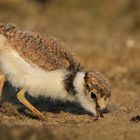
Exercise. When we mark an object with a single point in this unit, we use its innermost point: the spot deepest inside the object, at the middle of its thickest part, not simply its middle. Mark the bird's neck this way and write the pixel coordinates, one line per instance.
(79, 82)
(74, 82)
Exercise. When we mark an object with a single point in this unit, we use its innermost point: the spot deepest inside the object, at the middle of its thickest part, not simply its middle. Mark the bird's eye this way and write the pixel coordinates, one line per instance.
(93, 96)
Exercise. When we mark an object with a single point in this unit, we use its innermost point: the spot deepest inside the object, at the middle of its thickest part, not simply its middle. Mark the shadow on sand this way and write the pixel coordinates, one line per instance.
(43, 104)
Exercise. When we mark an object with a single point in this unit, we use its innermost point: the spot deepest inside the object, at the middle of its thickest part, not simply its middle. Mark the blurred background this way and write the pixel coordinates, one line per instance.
(104, 35)
(96, 30)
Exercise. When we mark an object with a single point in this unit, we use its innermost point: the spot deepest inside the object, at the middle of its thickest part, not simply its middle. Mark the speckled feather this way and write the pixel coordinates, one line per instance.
(101, 83)
(46, 52)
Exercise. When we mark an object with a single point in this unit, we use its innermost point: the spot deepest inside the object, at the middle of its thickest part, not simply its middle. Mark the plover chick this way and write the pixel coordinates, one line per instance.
(42, 66)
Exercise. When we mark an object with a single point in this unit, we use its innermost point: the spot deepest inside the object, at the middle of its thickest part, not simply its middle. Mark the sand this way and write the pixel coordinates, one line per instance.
(104, 38)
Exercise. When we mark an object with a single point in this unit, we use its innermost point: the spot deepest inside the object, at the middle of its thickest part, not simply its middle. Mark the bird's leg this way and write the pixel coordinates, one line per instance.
(21, 97)
(2, 80)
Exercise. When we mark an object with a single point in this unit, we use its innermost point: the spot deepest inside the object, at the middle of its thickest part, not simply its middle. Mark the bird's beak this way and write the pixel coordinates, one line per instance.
(99, 111)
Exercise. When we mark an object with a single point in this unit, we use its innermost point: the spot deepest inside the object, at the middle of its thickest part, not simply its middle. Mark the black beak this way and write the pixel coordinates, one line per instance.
(99, 111)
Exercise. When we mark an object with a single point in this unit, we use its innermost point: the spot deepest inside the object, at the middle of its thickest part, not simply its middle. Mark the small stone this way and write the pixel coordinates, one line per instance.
(136, 118)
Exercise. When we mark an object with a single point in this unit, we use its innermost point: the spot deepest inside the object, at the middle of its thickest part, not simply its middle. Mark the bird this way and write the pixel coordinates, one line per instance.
(42, 65)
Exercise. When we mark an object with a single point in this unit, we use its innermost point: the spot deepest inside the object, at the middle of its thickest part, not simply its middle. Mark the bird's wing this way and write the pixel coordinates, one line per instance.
(46, 52)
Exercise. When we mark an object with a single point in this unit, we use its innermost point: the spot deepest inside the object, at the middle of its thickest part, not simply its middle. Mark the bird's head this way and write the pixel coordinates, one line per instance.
(94, 92)
(97, 90)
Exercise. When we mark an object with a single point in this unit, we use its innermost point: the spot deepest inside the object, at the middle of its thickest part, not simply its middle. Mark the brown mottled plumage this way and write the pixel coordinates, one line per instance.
(42, 66)
(99, 82)
(47, 52)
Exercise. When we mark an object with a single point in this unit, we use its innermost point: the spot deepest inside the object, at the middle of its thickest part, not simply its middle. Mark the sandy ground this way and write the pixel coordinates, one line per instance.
(105, 41)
